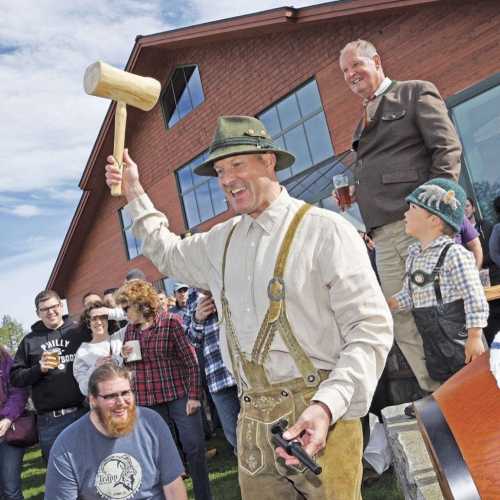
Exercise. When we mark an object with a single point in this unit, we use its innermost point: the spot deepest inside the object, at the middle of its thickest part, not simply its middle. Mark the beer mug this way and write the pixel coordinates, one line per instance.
(341, 185)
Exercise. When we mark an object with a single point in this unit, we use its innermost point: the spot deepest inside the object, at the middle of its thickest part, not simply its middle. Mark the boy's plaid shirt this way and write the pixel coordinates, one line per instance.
(206, 336)
(459, 279)
(169, 368)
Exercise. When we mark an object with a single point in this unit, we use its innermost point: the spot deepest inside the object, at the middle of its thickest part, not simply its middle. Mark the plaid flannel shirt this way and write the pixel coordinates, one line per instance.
(459, 279)
(206, 336)
(169, 368)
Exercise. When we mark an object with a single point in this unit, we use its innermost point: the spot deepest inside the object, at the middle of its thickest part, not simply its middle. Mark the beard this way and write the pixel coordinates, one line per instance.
(117, 427)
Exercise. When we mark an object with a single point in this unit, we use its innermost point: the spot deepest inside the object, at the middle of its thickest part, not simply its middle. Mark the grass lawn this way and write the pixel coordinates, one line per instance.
(223, 477)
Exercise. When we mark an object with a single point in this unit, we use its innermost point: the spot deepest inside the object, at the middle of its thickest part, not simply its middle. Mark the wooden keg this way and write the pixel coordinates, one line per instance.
(460, 424)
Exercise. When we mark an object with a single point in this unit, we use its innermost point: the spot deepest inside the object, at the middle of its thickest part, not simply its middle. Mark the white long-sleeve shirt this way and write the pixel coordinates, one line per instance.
(87, 355)
(334, 303)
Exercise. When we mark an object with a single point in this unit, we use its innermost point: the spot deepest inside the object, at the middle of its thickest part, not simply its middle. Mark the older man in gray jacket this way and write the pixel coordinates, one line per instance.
(404, 138)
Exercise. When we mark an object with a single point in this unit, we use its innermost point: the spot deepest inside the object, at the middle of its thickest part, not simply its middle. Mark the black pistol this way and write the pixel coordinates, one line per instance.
(293, 447)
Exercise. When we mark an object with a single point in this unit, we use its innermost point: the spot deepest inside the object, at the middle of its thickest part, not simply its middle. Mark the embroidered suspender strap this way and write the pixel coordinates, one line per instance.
(436, 272)
(231, 338)
(255, 375)
(276, 319)
(276, 291)
(421, 278)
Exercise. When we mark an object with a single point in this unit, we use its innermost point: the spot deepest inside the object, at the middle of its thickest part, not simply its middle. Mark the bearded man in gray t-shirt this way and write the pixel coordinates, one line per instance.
(117, 450)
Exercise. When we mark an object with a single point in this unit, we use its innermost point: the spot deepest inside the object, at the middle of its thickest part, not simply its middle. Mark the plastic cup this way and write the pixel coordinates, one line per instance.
(135, 355)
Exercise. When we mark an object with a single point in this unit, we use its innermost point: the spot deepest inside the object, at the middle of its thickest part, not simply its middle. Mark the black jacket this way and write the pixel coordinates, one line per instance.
(58, 388)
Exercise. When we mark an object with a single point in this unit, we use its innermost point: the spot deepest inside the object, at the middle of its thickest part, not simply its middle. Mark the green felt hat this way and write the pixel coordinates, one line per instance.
(239, 135)
(443, 198)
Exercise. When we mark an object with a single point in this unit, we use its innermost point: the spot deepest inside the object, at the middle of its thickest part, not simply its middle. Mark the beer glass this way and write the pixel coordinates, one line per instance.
(341, 185)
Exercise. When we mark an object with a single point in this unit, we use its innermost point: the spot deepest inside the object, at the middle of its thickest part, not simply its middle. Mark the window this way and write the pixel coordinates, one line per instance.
(201, 196)
(181, 94)
(315, 186)
(476, 114)
(297, 123)
(132, 244)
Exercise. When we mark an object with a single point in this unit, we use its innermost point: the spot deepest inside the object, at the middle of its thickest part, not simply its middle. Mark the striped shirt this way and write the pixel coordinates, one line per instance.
(459, 280)
(206, 336)
(169, 368)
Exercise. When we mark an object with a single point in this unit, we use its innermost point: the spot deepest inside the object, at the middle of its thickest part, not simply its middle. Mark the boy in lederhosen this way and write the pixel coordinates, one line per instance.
(442, 286)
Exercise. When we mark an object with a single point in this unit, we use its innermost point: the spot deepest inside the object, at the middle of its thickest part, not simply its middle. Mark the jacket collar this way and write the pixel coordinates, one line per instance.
(385, 88)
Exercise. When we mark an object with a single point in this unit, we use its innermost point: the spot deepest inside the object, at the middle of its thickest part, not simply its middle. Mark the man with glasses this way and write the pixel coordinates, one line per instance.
(118, 450)
(44, 362)
(166, 377)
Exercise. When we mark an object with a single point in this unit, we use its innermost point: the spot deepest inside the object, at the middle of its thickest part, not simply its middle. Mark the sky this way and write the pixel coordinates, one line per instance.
(48, 124)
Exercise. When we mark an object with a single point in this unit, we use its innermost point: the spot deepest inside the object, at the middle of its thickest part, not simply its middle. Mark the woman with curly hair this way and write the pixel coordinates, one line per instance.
(103, 348)
(167, 378)
(12, 403)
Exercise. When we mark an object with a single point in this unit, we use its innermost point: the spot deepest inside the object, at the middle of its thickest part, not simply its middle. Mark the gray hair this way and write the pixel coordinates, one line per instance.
(364, 47)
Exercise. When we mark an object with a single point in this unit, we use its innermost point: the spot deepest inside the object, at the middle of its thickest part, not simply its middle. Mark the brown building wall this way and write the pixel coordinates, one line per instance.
(455, 44)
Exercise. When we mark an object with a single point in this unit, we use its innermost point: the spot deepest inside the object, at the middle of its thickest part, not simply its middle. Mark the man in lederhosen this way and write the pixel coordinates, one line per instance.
(305, 326)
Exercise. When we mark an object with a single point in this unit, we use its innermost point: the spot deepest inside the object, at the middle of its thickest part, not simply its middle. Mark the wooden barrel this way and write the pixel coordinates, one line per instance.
(460, 424)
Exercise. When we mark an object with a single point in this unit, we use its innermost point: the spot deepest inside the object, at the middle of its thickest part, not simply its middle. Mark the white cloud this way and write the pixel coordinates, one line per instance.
(49, 124)
(206, 10)
(26, 211)
(23, 276)
(66, 195)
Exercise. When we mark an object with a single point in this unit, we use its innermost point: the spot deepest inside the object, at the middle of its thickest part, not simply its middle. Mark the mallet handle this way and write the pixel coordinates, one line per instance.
(120, 123)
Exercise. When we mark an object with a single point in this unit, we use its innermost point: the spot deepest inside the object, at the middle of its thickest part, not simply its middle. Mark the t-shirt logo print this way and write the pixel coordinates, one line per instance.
(118, 476)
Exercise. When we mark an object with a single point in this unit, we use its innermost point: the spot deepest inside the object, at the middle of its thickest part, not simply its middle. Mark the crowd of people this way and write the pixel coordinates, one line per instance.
(277, 314)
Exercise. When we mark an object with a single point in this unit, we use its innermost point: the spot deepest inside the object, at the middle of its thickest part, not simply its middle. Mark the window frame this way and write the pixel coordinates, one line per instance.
(137, 242)
(299, 123)
(168, 85)
(455, 100)
(193, 189)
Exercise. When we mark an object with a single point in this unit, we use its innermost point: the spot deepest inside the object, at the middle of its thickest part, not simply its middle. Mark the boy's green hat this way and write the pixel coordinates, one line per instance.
(442, 197)
(238, 135)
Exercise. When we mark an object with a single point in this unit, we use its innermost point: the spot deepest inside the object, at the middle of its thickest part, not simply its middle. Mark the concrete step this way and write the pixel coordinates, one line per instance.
(411, 462)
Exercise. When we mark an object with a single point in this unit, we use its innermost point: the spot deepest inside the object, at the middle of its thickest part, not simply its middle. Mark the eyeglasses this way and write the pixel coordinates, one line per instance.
(115, 396)
(49, 308)
(94, 319)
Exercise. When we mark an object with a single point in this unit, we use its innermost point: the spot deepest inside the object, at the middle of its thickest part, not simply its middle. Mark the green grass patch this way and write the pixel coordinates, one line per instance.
(223, 473)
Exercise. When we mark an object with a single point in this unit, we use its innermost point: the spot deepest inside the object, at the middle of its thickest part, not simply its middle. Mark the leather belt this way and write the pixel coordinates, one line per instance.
(61, 412)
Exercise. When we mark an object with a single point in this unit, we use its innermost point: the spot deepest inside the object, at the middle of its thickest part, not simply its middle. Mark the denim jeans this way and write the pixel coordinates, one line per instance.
(228, 406)
(11, 459)
(49, 427)
(190, 428)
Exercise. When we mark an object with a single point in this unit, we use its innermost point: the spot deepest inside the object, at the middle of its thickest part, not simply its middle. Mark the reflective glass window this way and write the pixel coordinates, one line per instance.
(181, 94)
(297, 123)
(477, 120)
(132, 244)
(202, 198)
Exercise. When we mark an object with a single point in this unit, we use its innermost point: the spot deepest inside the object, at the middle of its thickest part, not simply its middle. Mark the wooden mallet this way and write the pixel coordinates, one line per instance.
(103, 80)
